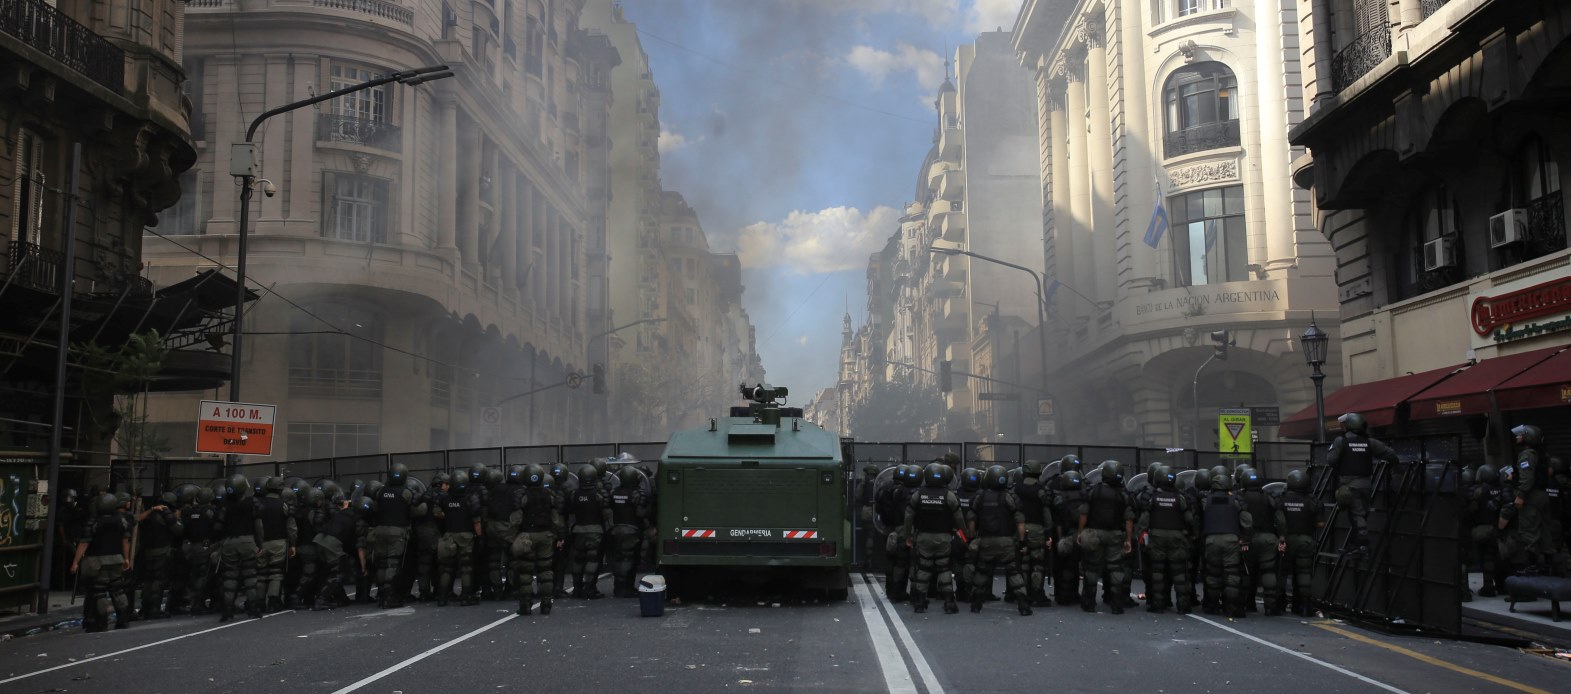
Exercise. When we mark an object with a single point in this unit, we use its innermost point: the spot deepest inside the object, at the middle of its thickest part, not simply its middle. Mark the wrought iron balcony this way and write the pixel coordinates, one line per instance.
(1546, 225)
(1359, 57)
(331, 127)
(1430, 7)
(33, 266)
(375, 8)
(58, 36)
(1200, 138)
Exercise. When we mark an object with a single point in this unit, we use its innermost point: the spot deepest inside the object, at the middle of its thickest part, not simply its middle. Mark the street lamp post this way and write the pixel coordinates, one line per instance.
(243, 166)
(1315, 343)
(1041, 302)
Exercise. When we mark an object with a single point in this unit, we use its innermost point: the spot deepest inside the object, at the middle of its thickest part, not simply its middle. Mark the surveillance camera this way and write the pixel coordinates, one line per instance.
(268, 188)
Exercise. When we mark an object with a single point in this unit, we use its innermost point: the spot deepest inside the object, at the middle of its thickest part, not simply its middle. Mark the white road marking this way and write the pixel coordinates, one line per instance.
(896, 677)
(431, 652)
(136, 648)
(1296, 654)
(929, 681)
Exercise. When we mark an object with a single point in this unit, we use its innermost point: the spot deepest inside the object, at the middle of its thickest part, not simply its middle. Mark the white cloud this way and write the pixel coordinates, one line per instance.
(937, 13)
(927, 66)
(671, 141)
(990, 15)
(829, 240)
(801, 340)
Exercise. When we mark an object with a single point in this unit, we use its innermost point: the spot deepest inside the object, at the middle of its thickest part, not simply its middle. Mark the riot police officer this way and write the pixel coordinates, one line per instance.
(1225, 525)
(1527, 540)
(501, 529)
(628, 508)
(1036, 504)
(1167, 523)
(458, 512)
(339, 545)
(237, 557)
(961, 553)
(390, 534)
(540, 534)
(1303, 518)
(1352, 457)
(278, 535)
(1265, 543)
(103, 555)
(428, 535)
(1106, 534)
(932, 516)
(197, 514)
(590, 521)
(1068, 505)
(159, 534)
(891, 505)
(308, 506)
(1000, 528)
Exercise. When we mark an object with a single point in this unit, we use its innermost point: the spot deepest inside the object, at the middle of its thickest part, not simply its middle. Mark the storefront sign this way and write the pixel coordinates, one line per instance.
(1194, 304)
(1448, 407)
(1565, 393)
(1493, 312)
(1508, 333)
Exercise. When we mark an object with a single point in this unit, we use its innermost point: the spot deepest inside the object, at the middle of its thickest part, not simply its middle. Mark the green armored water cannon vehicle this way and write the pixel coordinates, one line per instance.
(761, 490)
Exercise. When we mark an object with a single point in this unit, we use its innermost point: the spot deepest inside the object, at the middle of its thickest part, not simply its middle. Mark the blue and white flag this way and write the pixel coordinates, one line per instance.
(1158, 225)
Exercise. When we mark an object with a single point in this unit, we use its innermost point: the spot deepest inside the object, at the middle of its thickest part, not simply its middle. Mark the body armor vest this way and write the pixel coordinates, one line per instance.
(1167, 512)
(933, 514)
(1221, 516)
(587, 506)
(107, 532)
(341, 525)
(238, 518)
(275, 519)
(624, 507)
(499, 504)
(1106, 510)
(537, 510)
(199, 523)
(457, 517)
(1356, 459)
(1030, 495)
(392, 507)
(1299, 511)
(992, 514)
(1261, 510)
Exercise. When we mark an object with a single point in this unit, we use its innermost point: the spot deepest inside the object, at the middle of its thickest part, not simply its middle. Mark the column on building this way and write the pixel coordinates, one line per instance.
(469, 170)
(1139, 183)
(1080, 222)
(1100, 145)
(301, 186)
(224, 72)
(507, 197)
(447, 200)
(275, 90)
(1061, 189)
(1274, 151)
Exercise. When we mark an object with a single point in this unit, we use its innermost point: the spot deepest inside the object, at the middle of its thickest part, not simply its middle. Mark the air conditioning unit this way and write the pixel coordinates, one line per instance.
(1439, 254)
(1507, 228)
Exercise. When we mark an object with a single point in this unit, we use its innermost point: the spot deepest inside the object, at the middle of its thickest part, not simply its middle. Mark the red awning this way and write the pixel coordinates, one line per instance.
(1546, 384)
(1376, 400)
(1468, 392)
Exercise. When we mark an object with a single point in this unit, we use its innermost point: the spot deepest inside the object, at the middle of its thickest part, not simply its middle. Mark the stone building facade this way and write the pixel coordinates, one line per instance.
(1187, 103)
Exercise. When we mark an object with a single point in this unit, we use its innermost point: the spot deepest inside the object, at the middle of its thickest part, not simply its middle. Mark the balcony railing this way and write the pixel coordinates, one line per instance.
(331, 127)
(1200, 138)
(60, 37)
(1546, 225)
(1430, 7)
(334, 383)
(33, 266)
(375, 8)
(1359, 57)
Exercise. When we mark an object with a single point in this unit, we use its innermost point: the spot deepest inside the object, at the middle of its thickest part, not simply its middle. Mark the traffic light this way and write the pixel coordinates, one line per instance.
(598, 384)
(1222, 340)
(946, 376)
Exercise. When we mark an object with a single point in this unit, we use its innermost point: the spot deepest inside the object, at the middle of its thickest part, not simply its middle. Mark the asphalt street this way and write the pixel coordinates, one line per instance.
(748, 639)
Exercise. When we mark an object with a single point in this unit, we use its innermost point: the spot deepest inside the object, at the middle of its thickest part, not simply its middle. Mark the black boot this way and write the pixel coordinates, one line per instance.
(1088, 603)
(1023, 605)
(918, 601)
(976, 606)
(950, 606)
(545, 606)
(523, 608)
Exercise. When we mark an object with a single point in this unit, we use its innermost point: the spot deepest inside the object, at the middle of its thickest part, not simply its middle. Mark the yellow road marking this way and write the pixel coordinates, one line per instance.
(1431, 659)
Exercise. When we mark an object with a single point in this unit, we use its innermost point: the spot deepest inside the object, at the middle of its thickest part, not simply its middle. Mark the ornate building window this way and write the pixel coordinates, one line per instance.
(330, 364)
(1535, 195)
(357, 208)
(1432, 253)
(1200, 109)
(1210, 241)
(28, 185)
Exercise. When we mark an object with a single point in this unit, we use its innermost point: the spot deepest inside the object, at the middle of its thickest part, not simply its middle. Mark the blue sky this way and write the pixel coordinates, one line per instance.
(795, 129)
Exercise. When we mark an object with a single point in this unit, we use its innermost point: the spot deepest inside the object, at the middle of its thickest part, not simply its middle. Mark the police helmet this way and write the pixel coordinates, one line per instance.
(937, 475)
(1530, 435)
(1298, 481)
(1151, 469)
(534, 476)
(1202, 480)
(627, 477)
(1166, 478)
(204, 495)
(1486, 474)
(273, 485)
(515, 474)
(1219, 470)
(588, 474)
(398, 475)
(910, 475)
(366, 505)
(1032, 468)
(372, 487)
(1253, 480)
(459, 484)
(1466, 476)
(997, 477)
(971, 479)
(288, 496)
(1354, 422)
(1112, 472)
(1070, 462)
(477, 473)
(1069, 481)
(314, 496)
(441, 479)
(1222, 483)
(559, 472)
(106, 504)
(238, 487)
(185, 494)
(331, 490)
(296, 483)
(167, 499)
(600, 465)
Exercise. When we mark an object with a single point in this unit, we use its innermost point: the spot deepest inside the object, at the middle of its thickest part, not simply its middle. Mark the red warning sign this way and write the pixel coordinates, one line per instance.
(235, 427)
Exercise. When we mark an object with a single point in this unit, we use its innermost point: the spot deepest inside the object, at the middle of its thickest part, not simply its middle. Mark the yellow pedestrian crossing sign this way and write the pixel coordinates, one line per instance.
(1233, 436)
